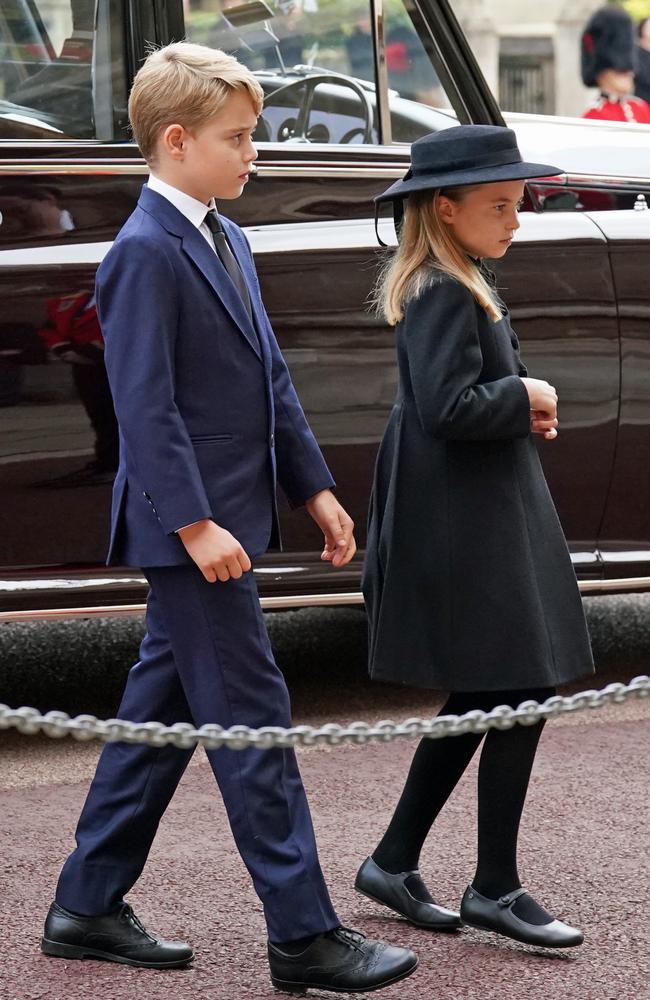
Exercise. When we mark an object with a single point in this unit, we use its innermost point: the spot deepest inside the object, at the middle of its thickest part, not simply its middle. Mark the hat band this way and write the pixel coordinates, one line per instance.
(495, 158)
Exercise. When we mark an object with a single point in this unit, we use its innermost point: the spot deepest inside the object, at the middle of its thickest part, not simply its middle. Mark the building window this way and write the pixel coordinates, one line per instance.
(526, 81)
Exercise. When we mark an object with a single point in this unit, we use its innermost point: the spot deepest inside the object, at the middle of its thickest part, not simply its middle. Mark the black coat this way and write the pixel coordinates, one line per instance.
(468, 581)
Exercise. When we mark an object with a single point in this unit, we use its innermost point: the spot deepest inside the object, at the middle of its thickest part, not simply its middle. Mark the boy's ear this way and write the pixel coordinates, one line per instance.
(173, 141)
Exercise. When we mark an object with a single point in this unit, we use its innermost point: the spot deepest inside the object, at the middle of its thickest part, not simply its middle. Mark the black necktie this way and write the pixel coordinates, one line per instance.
(227, 258)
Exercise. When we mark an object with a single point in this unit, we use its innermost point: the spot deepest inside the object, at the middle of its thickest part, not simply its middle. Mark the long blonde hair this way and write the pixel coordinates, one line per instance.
(426, 244)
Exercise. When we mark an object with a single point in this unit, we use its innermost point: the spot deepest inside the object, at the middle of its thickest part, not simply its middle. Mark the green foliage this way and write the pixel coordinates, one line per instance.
(638, 9)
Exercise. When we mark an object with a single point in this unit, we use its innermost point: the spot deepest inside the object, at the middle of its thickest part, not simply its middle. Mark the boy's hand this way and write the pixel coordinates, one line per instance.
(215, 551)
(540, 425)
(336, 525)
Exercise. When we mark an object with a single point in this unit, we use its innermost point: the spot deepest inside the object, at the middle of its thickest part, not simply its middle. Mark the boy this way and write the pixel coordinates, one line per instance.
(207, 415)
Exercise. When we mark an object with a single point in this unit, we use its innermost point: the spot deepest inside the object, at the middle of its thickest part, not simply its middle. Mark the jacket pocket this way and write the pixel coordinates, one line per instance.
(210, 438)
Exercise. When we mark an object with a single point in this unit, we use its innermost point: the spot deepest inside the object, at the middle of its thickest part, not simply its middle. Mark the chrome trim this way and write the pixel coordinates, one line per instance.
(130, 167)
(122, 610)
(46, 166)
(365, 169)
(591, 181)
(380, 170)
(353, 598)
(631, 583)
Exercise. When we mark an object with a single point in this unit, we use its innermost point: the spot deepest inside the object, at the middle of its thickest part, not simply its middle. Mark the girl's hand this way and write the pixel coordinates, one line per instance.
(542, 396)
(539, 425)
(337, 527)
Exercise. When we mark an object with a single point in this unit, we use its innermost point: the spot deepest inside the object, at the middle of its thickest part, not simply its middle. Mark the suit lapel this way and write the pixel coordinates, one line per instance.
(210, 266)
(197, 249)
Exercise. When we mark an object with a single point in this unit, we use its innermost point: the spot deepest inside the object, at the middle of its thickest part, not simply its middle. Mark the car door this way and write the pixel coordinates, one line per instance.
(625, 533)
(309, 214)
(366, 81)
(326, 147)
(558, 283)
(69, 178)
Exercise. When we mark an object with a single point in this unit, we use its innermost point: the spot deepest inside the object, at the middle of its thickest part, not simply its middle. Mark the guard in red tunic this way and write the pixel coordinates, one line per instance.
(611, 108)
(608, 52)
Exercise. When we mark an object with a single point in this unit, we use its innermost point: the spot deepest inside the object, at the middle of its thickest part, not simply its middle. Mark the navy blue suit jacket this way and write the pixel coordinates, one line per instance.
(207, 412)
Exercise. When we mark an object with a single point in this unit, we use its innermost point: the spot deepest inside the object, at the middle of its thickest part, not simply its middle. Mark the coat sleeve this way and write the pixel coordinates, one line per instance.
(445, 364)
(302, 470)
(138, 309)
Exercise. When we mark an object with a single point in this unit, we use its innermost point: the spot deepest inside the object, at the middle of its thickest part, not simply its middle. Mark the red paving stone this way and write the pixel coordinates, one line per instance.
(584, 852)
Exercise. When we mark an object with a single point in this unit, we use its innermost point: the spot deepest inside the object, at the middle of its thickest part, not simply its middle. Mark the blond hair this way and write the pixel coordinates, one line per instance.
(184, 84)
(426, 244)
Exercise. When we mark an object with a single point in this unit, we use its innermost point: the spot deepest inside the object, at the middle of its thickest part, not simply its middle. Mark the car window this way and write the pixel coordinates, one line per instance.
(416, 98)
(313, 58)
(61, 69)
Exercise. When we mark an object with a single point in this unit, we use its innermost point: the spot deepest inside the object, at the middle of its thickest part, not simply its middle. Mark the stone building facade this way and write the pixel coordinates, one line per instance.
(530, 52)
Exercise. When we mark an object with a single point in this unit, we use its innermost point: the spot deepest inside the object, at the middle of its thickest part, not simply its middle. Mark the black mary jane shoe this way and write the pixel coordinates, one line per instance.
(496, 915)
(391, 891)
(341, 961)
(116, 937)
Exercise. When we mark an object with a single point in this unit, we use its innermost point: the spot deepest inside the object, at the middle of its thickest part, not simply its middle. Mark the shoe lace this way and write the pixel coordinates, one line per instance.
(128, 916)
(348, 937)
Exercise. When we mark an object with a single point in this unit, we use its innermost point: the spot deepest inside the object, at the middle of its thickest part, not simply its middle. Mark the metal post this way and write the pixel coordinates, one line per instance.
(381, 72)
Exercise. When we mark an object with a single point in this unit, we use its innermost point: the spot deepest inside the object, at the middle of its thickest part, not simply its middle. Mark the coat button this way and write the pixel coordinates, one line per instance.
(273, 440)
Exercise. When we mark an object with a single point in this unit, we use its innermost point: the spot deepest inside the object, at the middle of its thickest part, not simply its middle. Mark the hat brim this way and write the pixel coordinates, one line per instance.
(457, 178)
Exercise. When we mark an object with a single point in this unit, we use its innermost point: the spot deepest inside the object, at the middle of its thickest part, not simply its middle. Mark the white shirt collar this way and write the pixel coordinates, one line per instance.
(193, 210)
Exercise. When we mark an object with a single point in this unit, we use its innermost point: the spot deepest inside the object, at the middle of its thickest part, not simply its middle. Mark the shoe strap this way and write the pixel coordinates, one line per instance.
(511, 897)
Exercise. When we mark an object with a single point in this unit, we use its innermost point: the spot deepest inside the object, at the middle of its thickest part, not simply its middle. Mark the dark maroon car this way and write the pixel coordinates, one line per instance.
(348, 86)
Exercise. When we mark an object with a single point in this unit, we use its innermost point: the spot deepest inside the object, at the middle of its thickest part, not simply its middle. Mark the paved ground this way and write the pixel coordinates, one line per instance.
(584, 851)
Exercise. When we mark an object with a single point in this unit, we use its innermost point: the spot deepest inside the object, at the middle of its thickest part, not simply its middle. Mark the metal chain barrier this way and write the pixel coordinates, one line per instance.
(29, 721)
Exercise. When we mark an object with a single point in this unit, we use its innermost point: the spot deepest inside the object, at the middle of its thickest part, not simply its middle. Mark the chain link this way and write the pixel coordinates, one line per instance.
(29, 721)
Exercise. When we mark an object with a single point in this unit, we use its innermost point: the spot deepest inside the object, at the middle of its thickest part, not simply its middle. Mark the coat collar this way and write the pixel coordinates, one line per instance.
(207, 261)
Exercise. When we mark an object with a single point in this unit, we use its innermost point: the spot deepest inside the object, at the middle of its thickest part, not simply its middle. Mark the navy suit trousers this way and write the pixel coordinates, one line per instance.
(206, 657)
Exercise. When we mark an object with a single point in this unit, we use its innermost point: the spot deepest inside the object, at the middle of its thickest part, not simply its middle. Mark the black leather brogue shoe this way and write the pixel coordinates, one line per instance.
(392, 891)
(496, 915)
(342, 961)
(116, 937)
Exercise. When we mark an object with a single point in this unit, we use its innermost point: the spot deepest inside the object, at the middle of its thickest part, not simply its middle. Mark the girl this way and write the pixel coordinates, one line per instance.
(468, 582)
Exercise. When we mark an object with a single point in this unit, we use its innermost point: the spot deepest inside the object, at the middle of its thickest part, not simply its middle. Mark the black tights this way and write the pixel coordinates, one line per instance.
(504, 772)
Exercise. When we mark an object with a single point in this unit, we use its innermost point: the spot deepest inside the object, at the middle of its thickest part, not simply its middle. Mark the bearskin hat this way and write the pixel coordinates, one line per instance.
(608, 42)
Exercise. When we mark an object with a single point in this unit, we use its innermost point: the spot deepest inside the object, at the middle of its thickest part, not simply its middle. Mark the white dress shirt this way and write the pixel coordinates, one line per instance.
(194, 211)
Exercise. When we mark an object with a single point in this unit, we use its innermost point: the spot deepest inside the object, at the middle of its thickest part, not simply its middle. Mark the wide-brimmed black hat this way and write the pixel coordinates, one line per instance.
(607, 42)
(464, 154)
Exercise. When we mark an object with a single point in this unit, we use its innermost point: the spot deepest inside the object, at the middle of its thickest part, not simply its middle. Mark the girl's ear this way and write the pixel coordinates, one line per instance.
(446, 208)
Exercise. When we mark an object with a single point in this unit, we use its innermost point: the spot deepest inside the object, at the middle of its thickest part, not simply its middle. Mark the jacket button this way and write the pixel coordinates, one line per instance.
(273, 440)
